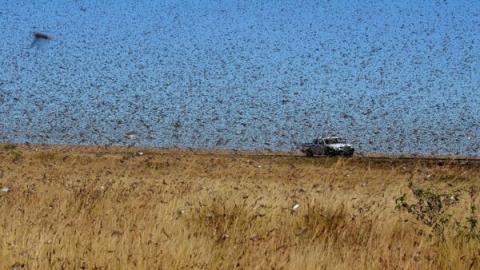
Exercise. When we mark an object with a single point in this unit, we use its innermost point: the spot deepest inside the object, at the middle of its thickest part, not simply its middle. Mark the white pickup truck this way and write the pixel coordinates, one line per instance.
(329, 146)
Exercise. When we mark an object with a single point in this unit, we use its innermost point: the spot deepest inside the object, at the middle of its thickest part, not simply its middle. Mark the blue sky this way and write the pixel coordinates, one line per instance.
(391, 76)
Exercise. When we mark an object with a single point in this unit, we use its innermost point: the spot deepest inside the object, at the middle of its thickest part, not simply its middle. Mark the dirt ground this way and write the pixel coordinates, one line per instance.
(74, 207)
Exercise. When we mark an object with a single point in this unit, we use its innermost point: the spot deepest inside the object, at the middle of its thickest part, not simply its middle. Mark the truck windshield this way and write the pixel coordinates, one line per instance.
(334, 140)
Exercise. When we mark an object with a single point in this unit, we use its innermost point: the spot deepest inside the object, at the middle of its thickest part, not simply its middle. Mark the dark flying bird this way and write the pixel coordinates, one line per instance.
(38, 37)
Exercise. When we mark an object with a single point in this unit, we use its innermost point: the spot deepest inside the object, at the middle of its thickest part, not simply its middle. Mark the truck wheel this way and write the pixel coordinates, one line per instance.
(309, 153)
(329, 153)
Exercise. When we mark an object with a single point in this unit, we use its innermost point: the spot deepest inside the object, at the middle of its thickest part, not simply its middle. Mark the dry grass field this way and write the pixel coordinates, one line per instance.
(95, 208)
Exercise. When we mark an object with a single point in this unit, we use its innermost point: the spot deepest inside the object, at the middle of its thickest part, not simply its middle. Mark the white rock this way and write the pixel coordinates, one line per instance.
(5, 189)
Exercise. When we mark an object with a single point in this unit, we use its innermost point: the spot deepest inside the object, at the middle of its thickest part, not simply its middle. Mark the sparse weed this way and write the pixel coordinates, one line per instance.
(472, 221)
(8, 147)
(429, 208)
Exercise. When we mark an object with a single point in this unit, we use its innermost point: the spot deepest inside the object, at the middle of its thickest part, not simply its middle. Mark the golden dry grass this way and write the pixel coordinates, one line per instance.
(94, 208)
